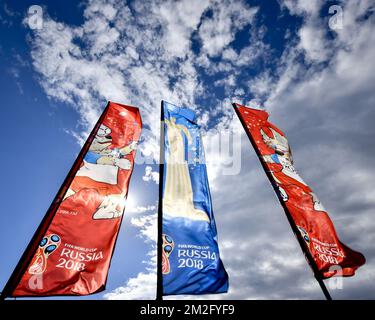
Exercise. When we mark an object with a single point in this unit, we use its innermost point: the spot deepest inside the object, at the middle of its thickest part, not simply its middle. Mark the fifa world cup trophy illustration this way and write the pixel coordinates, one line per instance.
(46, 247)
(167, 246)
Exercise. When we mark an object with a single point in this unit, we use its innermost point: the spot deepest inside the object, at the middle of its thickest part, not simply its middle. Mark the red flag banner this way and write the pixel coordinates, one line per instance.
(71, 252)
(300, 203)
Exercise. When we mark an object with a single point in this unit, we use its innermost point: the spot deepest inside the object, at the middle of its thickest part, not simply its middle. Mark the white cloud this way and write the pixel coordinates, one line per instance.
(121, 60)
(203, 120)
(348, 68)
(181, 19)
(313, 32)
(313, 43)
(140, 209)
(259, 86)
(218, 31)
(147, 225)
(151, 175)
(301, 7)
(143, 285)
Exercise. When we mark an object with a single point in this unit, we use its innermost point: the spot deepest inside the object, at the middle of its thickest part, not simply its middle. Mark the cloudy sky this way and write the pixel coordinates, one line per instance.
(310, 64)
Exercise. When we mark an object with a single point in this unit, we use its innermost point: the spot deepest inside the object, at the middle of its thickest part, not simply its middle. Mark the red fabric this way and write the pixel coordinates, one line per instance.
(80, 262)
(313, 221)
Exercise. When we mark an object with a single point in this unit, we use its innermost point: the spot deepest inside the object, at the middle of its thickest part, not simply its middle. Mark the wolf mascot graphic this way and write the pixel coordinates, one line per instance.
(101, 166)
(283, 171)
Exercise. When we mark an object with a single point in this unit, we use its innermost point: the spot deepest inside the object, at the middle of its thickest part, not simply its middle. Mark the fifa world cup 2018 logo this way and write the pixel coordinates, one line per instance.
(167, 248)
(46, 247)
(304, 235)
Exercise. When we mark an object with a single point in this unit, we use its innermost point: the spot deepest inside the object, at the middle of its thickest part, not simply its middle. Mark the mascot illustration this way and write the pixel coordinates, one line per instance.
(283, 171)
(100, 170)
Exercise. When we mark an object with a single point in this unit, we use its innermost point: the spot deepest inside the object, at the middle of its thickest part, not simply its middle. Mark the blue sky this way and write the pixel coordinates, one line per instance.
(315, 79)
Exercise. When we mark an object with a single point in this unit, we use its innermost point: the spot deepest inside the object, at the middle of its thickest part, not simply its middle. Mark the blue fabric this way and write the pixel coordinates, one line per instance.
(195, 264)
(275, 158)
(92, 157)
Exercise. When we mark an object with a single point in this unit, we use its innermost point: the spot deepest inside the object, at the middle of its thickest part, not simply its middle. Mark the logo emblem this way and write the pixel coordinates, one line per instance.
(305, 235)
(46, 247)
(167, 249)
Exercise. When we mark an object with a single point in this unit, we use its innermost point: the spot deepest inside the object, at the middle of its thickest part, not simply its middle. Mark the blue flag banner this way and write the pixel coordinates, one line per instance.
(191, 262)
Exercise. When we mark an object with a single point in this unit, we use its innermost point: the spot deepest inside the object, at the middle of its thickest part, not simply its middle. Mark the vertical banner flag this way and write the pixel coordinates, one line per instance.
(71, 251)
(300, 203)
(190, 255)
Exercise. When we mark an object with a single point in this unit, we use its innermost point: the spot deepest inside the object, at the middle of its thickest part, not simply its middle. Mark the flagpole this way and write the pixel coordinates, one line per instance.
(296, 232)
(159, 285)
(30, 250)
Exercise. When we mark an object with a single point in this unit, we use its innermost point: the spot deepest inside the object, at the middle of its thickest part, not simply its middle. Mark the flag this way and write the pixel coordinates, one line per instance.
(307, 213)
(71, 251)
(191, 262)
